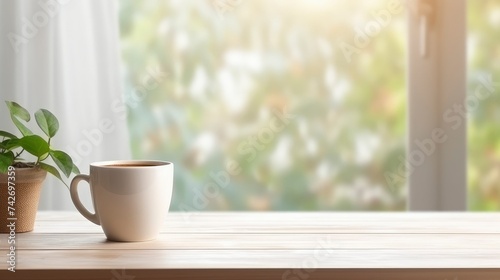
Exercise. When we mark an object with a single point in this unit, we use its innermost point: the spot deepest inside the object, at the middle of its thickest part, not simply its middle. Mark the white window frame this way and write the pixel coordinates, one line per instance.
(436, 82)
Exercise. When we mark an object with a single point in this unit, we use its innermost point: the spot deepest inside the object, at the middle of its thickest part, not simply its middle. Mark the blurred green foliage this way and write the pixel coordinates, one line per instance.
(230, 68)
(483, 134)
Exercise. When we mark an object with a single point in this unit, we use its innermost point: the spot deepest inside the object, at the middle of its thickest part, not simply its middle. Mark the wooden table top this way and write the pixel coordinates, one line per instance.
(245, 245)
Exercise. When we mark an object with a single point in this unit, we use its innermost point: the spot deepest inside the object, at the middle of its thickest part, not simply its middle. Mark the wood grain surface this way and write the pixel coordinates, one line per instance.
(291, 246)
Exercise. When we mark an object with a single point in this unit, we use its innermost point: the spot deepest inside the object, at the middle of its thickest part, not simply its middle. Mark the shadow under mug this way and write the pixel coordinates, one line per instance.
(130, 198)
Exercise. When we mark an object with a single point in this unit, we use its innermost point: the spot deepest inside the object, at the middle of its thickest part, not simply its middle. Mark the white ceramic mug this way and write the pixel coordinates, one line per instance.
(131, 198)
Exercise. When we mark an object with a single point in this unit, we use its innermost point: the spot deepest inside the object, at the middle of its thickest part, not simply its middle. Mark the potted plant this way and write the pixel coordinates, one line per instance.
(24, 166)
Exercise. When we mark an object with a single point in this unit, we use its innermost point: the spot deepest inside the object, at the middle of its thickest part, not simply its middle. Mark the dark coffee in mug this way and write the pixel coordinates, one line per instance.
(131, 165)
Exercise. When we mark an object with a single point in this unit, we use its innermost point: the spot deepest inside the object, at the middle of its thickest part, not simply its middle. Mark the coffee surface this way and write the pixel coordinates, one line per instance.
(131, 165)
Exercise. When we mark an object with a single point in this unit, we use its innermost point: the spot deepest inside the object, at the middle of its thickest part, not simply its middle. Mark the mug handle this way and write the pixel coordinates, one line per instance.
(94, 218)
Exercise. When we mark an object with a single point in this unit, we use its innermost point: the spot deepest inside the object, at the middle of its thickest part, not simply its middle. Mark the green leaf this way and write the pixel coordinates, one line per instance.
(18, 111)
(25, 131)
(11, 144)
(52, 170)
(6, 160)
(47, 122)
(44, 156)
(34, 145)
(7, 135)
(63, 161)
(75, 169)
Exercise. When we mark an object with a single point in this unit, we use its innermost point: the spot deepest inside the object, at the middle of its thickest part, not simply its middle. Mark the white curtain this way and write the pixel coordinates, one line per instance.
(63, 56)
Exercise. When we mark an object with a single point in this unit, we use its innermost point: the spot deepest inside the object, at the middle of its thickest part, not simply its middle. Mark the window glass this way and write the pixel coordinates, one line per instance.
(484, 115)
(270, 105)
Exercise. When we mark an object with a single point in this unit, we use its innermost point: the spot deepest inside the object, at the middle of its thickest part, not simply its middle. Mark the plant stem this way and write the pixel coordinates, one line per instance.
(18, 154)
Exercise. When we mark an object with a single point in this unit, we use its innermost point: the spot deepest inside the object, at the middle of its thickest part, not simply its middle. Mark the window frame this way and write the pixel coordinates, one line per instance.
(436, 83)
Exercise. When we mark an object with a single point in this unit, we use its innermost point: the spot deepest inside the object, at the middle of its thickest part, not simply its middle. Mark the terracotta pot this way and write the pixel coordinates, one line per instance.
(28, 186)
